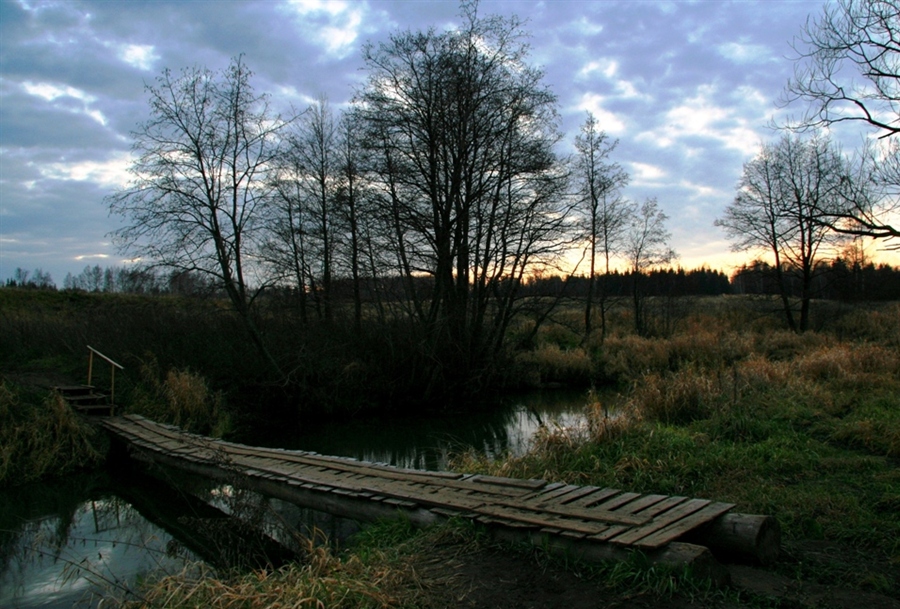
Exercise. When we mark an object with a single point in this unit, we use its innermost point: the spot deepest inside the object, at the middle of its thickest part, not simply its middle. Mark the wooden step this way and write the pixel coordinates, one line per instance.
(83, 399)
(74, 390)
(86, 400)
(103, 409)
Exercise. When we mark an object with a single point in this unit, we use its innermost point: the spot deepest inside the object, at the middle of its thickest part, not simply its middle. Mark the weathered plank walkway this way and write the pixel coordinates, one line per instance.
(586, 516)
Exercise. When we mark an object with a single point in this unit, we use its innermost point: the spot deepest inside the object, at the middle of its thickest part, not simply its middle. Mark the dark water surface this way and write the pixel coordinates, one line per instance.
(68, 542)
(426, 443)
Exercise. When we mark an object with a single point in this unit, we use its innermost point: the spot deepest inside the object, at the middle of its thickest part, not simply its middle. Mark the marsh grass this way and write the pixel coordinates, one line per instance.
(40, 436)
(551, 363)
(323, 579)
(181, 398)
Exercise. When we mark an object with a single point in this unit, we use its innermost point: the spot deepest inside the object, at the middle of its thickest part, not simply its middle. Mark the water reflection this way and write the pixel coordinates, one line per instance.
(69, 543)
(277, 530)
(427, 442)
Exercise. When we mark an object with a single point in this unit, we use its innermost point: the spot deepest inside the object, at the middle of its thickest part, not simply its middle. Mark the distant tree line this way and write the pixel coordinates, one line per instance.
(138, 280)
(119, 280)
(842, 279)
(657, 282)
(838, 279)
(37, 279)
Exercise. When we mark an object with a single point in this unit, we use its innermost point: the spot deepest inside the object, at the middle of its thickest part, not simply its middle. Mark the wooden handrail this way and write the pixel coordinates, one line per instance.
(112, 382)
(119, 366)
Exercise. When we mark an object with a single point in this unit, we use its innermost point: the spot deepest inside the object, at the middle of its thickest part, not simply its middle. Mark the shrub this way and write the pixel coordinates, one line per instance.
(630, 356)
(604, 425)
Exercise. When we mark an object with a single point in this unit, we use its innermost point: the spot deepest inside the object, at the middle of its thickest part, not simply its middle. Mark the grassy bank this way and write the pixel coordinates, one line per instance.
(806, 428)
(391, 565)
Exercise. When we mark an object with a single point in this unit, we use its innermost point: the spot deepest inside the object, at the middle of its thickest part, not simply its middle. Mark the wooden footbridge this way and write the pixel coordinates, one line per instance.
(591, 522)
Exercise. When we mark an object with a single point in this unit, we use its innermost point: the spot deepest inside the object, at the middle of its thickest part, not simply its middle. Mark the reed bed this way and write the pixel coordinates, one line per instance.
(322, 580)
(378, 572)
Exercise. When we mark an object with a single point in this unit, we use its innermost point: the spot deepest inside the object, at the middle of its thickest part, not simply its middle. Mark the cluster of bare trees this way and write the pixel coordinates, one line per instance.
(37, 279)
(801, 196)
(434, 194)
(614, 227)
(784, 199)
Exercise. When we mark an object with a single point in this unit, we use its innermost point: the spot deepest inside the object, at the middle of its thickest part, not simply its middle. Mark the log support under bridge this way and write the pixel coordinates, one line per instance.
(584, 522)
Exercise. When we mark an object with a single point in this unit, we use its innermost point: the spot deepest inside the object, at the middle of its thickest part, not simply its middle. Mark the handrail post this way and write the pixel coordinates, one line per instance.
(112, 383)
(112, 392)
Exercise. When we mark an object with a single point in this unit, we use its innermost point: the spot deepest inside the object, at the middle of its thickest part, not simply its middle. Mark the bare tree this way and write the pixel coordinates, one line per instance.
(200, 180)
(350, 197)
(461, 132)
(646, 247)
(286, 250)
(606, 212)
(314, 145)
(784, 196)
(848, 71)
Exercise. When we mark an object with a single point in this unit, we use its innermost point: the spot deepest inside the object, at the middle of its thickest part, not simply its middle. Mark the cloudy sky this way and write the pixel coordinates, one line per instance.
(689, 88)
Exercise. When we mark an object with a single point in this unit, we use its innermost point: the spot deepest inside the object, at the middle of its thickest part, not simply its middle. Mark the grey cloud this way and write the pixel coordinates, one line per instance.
(666, 51)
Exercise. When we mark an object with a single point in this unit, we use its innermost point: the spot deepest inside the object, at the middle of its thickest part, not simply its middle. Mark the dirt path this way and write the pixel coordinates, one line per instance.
(490, 578)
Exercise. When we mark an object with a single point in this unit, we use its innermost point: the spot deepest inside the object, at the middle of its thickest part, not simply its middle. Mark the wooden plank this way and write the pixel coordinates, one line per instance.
(666, 504)
(662, 521)
(581, 492)
(595, 497)
(641, 503)
(538, 519)
(591, 514)
(679, 528)
(511, 482)
(573, 535)
(610, 532)
(540, 492)
(616, 502)
(555, 494)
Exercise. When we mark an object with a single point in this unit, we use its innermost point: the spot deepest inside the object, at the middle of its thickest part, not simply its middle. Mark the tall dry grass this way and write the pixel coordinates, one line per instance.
(321, 580)
(42, 437)
(181, 398)
(550, 363)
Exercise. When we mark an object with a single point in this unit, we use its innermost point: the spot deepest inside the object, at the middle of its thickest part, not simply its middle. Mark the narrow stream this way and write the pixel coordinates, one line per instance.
(68, 542)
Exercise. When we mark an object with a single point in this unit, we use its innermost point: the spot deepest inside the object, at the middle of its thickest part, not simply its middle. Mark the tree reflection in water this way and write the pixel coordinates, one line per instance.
(71, 541)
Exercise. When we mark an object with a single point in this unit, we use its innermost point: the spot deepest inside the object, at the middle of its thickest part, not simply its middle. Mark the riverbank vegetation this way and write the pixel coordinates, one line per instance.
(802, 427)
(40, 436)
